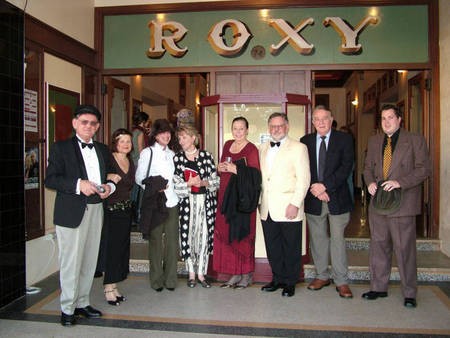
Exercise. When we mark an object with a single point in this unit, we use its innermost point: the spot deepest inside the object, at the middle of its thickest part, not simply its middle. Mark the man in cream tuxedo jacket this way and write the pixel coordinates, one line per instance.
(285, 182)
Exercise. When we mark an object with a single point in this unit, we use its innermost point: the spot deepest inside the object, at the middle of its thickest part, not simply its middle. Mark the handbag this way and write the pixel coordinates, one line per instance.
(149, 162)
(146, 175)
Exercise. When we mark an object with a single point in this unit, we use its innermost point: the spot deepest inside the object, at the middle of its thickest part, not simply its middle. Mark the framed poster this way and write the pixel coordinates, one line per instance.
(31, 175)
(61, 104)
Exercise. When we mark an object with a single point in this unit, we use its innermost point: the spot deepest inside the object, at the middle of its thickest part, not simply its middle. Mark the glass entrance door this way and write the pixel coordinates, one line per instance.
(218, 113)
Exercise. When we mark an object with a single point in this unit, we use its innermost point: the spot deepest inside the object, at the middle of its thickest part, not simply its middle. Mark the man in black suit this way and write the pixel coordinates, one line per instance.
(328, 202)
(77, 170)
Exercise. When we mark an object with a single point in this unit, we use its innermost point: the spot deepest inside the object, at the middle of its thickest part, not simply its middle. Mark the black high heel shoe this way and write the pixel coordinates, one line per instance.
(115, 302)
(120, 298)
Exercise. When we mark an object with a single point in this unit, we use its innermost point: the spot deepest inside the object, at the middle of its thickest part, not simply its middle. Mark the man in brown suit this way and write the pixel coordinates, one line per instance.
(400, 159)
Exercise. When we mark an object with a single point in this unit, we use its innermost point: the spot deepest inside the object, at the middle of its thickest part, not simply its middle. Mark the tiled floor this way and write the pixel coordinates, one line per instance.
(224, 313)
(220, 312)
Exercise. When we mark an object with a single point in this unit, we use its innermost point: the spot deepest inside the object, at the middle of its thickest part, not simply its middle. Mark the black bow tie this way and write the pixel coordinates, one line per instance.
(273, 144)
(89, 145)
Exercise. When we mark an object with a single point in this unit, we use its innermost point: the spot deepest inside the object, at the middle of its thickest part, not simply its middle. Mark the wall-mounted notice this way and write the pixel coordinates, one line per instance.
(30, 98)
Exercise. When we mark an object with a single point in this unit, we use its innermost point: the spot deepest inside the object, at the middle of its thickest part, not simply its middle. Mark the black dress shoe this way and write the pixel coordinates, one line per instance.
(68, 320)
(191, 283)
(87, 312)
(272, 286)
(159, 289)
(170, 289)
(410, 302)
(288, 291)
(371, 295)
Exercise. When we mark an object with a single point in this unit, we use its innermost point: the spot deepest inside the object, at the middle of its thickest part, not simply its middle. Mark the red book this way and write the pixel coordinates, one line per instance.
(188, 173)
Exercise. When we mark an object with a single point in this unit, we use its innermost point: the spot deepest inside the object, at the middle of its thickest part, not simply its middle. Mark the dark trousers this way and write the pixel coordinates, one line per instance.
(163, 252)
(284, 249)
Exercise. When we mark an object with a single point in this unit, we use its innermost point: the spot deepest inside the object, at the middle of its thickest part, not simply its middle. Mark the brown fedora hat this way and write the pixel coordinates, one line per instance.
(386, 202)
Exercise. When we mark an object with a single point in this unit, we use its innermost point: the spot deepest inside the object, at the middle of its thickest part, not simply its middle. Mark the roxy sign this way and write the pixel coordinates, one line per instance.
(160, 41)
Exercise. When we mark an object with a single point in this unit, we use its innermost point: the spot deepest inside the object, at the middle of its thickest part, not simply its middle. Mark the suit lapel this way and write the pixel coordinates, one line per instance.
(400, 149)
(379, 154)
(101, 160)
(263, 159)
(313, 156)
(79, 158)
(283, 152)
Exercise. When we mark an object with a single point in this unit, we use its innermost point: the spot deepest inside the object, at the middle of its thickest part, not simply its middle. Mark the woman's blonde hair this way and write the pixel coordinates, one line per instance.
(190, 130)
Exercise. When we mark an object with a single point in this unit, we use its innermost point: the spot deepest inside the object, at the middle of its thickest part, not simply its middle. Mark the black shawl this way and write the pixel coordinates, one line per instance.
(153, 208)
(240, 200)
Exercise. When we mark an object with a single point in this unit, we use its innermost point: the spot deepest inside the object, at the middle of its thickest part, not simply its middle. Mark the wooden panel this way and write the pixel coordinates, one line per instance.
(260, 83)
(227, 83)
(295, 83)
(273, 82)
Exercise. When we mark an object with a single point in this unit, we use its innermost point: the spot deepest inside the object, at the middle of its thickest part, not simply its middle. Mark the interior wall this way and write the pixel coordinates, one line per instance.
(63, 74)
(74, 18)
(337, 103)
(444, 45)
(42, 252)
(103, 3)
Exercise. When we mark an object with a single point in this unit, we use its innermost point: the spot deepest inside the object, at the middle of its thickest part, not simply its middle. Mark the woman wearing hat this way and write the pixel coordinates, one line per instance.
(156, 163)
(115, 249)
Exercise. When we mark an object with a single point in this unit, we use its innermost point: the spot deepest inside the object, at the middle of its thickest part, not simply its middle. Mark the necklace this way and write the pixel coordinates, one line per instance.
(191, 152)
(237, 147)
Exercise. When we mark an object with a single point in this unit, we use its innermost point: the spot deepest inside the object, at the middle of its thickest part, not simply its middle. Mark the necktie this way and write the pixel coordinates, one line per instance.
(387, 158)
(89, 145)
(322, 159)
(273, 144)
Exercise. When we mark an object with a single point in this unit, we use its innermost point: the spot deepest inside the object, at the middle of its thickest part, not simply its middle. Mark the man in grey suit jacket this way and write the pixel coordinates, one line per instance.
(328, 202)
(77, 170)
(400, 160)
(285, 181)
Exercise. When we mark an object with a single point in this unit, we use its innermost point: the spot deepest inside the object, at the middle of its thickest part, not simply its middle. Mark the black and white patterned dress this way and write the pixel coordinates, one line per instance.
(197, 210)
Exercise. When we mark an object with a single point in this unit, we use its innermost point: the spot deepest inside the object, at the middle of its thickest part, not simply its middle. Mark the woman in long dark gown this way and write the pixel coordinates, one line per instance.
(117, 223)
(238, 257)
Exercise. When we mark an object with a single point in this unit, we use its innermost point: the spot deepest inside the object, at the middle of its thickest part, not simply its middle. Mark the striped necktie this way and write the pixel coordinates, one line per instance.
(387, 158)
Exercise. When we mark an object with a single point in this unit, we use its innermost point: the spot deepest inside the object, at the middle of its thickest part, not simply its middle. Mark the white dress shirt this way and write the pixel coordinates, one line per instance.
(272, 153)
(162, 164)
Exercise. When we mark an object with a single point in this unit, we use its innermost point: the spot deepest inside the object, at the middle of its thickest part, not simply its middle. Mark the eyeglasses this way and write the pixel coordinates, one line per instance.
(86, 122)
(326, 119)
(277, 126)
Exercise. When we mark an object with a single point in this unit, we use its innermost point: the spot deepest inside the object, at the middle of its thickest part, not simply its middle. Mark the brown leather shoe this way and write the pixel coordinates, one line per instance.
(318, 284)
(344, 291)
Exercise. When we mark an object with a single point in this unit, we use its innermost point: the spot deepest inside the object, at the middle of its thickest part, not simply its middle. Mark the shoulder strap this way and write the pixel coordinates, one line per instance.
(149, 162)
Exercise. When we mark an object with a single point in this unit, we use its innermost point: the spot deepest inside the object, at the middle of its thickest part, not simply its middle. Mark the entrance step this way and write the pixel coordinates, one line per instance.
(432, 264)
